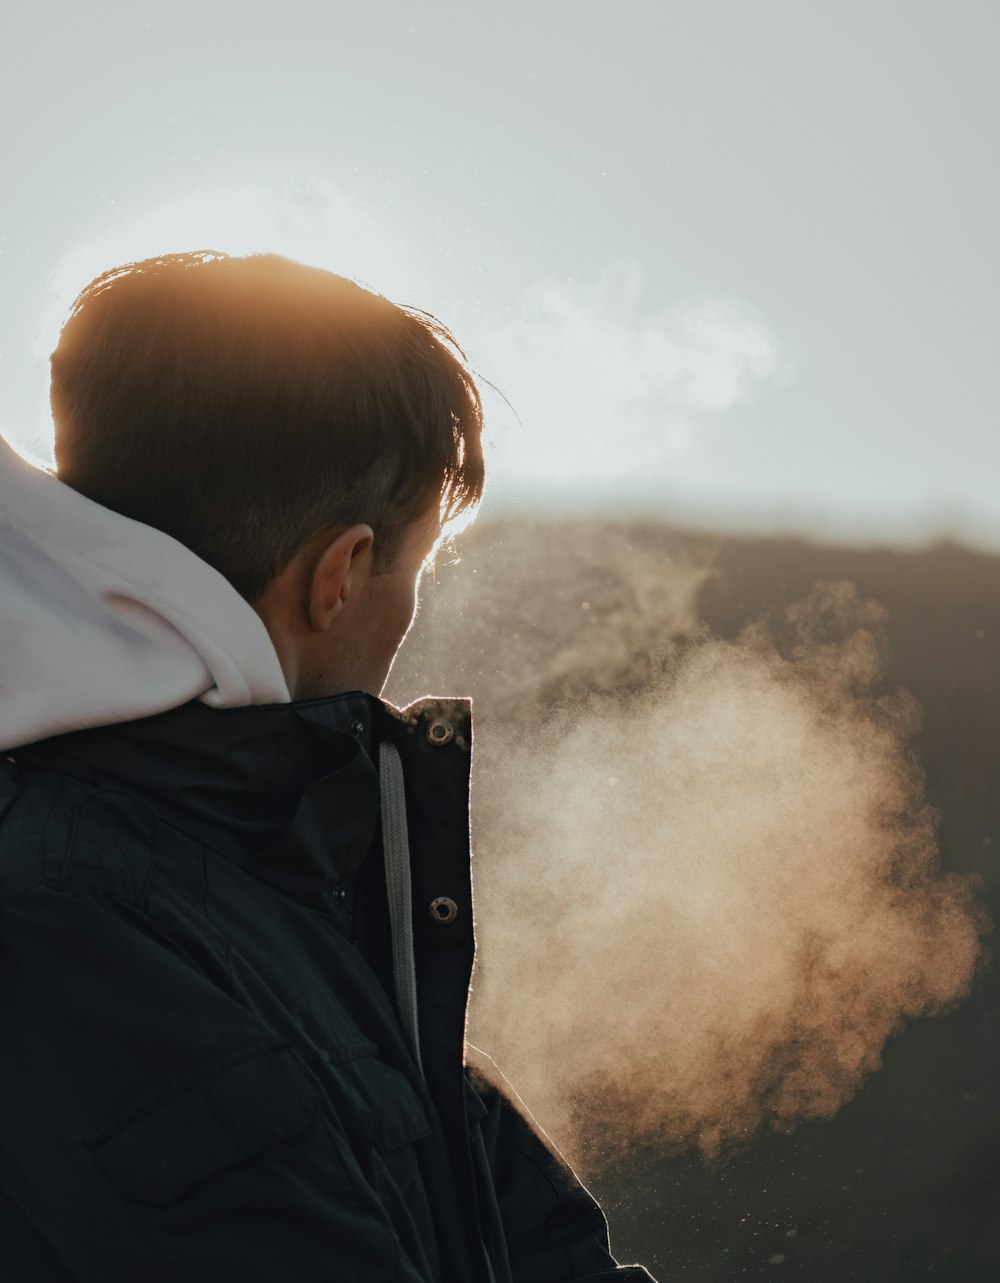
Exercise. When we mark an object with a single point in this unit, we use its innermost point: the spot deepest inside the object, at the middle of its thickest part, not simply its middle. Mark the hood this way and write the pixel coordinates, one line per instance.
(105, 620)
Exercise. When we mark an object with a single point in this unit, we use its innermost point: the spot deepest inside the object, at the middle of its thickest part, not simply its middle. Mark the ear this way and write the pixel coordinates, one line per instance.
(335, 574)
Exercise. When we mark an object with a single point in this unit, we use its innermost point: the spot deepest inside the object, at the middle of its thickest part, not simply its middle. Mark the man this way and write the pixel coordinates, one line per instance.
(236, 933)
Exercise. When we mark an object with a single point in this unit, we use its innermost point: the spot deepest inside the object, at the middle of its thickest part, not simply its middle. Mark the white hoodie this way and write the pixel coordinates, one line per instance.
(104, 619)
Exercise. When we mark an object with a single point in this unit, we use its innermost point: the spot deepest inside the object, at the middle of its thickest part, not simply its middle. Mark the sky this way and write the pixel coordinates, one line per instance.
(732, 265)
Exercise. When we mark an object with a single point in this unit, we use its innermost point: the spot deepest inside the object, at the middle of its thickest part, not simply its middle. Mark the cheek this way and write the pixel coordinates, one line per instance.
(409, 609)
(401, 613)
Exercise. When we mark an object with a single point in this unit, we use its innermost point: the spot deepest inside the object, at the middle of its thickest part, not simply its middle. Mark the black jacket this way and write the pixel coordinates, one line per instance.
(203, 1075)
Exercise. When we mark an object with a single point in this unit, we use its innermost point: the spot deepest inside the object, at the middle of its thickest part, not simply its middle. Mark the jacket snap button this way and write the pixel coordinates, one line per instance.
(440, 732)
(444, 910)
(357, 726)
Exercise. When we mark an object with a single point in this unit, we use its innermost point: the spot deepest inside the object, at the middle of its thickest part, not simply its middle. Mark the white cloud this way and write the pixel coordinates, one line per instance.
(605, 393)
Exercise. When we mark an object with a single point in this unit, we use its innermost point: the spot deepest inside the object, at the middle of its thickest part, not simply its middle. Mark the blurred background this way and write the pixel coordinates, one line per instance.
(729, 613)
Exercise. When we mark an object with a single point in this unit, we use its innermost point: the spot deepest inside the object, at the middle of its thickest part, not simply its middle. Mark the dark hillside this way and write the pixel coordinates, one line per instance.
(904, 1183)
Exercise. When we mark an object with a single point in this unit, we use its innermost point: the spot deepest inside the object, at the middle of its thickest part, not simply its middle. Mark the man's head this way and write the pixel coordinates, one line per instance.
(304, 436)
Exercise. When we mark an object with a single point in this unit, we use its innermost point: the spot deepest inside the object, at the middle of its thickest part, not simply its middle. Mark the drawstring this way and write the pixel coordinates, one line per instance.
(396, 842)
(397, 878)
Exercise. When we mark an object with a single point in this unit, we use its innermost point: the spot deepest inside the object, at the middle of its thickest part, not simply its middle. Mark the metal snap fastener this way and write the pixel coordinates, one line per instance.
(357, 726)
(443, 910)
(440, 732)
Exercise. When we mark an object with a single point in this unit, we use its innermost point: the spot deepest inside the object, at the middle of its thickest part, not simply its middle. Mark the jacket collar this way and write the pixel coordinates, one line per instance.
(289, 791)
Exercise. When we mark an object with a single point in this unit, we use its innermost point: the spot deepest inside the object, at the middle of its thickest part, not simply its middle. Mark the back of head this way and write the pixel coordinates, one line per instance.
(243, 405)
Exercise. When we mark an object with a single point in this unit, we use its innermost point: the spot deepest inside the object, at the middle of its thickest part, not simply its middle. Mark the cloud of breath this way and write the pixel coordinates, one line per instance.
(707, 878)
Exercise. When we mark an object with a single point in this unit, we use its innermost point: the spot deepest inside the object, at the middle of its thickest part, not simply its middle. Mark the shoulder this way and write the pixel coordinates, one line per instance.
(58, 830)
(27, 801)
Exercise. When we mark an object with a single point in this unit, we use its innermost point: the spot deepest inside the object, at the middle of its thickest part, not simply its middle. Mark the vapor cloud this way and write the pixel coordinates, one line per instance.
(606, 389)
(706, 873)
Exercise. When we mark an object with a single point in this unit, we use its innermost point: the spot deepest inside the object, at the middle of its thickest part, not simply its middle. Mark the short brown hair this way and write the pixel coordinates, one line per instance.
(244, 405)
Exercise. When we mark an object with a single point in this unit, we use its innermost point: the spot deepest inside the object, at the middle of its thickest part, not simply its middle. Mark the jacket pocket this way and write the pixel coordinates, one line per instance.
(221, 1121)
(385, 1122)
(379, 1098)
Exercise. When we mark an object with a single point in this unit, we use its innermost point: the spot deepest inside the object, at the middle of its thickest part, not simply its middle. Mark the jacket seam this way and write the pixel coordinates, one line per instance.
(204, 1073)
(43, 885)
(115, 844)
(44, 836)
(125, 1204)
